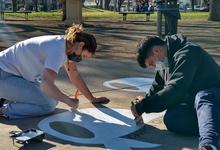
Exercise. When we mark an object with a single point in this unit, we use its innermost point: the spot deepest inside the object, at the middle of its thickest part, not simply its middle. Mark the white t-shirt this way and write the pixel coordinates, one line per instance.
(28, 58)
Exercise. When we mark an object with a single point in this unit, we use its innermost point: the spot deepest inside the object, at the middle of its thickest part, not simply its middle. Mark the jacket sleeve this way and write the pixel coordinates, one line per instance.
(157, 85)
(176, 89)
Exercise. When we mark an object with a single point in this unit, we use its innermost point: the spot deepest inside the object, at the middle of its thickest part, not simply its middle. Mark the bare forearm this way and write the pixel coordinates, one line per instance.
(76, 79)
(51, 90)
(81, 85)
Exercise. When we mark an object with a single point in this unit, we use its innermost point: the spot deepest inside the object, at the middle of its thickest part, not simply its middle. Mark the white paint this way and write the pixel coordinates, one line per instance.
(142, 84)
(108, 125)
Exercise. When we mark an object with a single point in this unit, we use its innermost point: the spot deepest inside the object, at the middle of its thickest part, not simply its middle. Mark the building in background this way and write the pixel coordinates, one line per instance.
(89, 3)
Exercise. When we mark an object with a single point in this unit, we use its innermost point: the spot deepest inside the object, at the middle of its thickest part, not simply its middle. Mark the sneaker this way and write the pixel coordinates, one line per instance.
(207, 147)
(2, 101)
(1, 113)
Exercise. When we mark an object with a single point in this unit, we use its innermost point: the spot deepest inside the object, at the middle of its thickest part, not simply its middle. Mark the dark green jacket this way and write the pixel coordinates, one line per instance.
(191, 69)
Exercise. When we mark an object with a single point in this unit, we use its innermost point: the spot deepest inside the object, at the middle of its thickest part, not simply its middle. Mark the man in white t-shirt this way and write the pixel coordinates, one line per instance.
(28, 70)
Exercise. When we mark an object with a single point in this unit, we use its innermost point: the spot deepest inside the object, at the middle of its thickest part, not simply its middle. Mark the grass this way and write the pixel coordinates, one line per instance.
(95, 13)
(56, 15)
(91, 13)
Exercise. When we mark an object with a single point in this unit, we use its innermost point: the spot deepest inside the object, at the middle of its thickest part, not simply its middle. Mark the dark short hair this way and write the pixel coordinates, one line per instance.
(144, 48)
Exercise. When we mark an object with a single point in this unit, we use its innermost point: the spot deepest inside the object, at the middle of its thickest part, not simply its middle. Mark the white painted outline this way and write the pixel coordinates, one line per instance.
(142, 84)
(108, 125)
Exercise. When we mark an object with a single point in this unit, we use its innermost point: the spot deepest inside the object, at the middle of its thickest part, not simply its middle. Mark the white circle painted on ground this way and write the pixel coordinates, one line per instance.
(107, 125)
(140, 84)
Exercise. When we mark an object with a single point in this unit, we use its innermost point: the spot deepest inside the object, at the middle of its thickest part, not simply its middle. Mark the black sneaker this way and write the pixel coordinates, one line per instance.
(2, 100)
(207, 147)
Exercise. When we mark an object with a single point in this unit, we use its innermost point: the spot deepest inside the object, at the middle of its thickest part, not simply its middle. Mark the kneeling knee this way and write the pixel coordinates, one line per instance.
(49, 108)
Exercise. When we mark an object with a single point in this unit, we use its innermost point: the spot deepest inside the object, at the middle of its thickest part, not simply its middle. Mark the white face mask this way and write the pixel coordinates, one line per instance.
(160, 65)
(163, 65)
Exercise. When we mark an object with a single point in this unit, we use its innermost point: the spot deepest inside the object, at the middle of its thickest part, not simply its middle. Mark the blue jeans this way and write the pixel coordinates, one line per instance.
(202, 119)
(25, 97)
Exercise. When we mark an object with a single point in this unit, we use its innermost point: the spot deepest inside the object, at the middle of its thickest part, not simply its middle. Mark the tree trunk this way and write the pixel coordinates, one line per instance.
(97, 2)
(101, 4)
(214, 13)
(129, 5)
(36, 5)
(45, 5)
(192, 4)
(115, 5)
(26, 4)
(83, 1)
(120, 2)
(107, 2)
(14, 5)
(64, 10)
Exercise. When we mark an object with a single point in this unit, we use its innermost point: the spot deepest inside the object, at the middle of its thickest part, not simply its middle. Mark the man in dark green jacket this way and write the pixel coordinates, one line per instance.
(187, 84)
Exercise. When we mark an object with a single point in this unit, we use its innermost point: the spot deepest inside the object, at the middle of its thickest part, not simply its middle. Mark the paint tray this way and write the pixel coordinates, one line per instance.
(27, 136)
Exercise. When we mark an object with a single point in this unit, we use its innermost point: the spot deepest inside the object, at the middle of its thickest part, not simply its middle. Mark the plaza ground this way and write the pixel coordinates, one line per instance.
(114, 59)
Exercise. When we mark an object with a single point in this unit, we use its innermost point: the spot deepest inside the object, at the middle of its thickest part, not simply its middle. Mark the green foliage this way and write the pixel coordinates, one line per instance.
(92, 13)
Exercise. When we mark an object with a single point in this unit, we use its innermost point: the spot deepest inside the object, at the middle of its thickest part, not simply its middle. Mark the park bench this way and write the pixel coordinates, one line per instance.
(24, 12)
(125, 13)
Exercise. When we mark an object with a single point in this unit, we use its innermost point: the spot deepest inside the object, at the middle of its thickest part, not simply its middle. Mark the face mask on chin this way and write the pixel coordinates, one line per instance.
(160, 65)
(74, 57)
(163, 66)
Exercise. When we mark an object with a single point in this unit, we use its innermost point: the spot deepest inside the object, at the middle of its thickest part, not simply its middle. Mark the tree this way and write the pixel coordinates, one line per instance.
(45, 6)
(214, 13)
(205, 3)
(107, 2)
(83, 1)
(14, 5)
(97, 2)
(115, 5)
(26, 4)
(192, 4)
(63, 9)
(120, 2)
(36, 5)
(101, 4)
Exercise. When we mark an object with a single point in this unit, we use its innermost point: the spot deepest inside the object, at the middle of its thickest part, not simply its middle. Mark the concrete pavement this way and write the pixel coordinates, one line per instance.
(115, 60)
(65, 131)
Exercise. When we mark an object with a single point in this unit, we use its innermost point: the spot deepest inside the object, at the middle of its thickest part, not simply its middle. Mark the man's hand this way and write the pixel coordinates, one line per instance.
(137, 118)
(72, 102)
(138, 99)
(100, 100)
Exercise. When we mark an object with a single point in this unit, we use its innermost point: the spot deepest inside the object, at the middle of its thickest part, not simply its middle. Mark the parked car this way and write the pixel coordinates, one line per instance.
(206, 9)
(199, 8)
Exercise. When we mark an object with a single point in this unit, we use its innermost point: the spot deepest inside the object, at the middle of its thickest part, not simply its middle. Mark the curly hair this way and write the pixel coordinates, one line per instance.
(76, 33)
(144, 48)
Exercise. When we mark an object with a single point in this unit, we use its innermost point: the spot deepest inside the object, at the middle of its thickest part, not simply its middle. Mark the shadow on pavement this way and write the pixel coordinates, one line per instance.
(147, 133)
